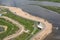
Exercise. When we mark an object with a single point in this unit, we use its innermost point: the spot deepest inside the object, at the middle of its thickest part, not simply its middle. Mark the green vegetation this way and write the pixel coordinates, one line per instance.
(49, 0)
(53, 8)
(25, 36)
(28, 24)
(2, 10)
(9, 31)
(56, 9)
(22, 36)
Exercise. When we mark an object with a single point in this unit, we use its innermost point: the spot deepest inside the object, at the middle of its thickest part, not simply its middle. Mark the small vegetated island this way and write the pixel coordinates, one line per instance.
(49, 0)
(8, 28)
(52, 8)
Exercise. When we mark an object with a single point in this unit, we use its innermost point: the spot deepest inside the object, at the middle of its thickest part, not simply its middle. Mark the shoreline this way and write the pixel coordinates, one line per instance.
(40, 35)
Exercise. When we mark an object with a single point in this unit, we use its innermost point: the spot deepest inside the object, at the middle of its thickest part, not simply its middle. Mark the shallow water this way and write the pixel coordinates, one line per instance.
(51, 16)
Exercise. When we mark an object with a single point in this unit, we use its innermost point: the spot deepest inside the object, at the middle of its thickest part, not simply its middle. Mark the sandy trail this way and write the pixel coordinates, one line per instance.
(40, 35)
(19, 32)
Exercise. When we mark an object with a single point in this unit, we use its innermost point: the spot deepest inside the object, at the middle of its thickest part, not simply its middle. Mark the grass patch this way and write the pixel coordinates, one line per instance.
(48, 0)
(9, 31)
(53, 8)
(28, 24)
(56, 9)
(25, 36)
(22, 36)
(2, 10)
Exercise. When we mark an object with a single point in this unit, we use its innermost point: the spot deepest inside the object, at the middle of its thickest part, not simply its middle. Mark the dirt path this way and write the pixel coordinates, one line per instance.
(42, 34)
(19, 32)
